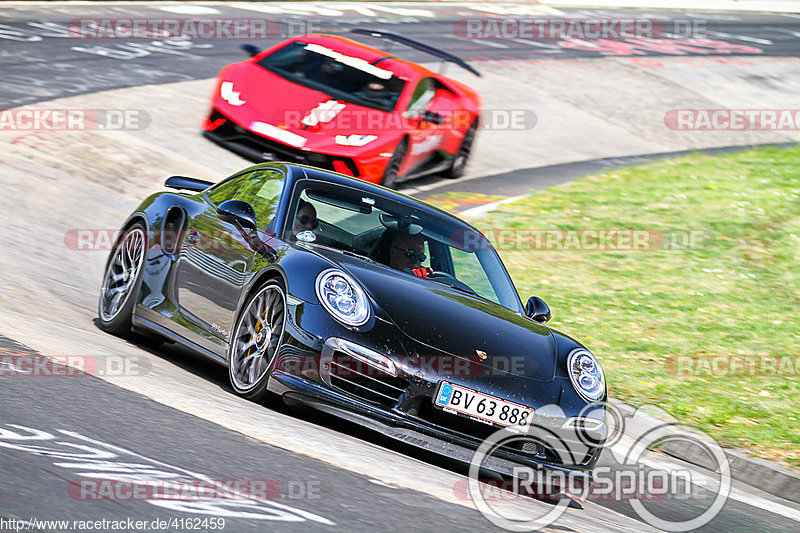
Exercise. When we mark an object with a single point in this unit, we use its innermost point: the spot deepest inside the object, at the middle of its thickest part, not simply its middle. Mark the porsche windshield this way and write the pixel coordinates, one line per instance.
(344, 77)
(399, 236)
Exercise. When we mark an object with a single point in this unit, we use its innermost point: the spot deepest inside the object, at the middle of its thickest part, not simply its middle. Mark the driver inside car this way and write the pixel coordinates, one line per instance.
(407, 252)
(305, 222)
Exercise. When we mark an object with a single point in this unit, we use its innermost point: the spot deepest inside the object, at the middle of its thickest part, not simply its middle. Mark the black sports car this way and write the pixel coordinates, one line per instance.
(359, 301)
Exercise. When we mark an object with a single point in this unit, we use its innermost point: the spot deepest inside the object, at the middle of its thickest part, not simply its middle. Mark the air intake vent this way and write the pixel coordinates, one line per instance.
(367, 382)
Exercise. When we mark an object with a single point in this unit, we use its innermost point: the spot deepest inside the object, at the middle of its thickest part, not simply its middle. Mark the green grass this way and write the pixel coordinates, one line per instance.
(737, 292)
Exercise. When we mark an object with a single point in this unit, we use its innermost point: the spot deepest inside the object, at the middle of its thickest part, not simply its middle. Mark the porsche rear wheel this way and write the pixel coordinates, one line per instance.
(121, 281)
(257, 337)
(459, 164)
(392, 172)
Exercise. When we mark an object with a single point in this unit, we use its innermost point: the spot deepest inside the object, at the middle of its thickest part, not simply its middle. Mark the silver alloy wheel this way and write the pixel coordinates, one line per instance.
(121, 274)
(257, 338)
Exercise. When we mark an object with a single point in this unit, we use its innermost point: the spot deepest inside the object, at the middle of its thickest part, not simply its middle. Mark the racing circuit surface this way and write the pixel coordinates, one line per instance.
(172, 412)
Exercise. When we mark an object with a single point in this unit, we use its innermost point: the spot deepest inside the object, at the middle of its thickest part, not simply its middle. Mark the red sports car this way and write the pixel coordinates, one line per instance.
(336, 104)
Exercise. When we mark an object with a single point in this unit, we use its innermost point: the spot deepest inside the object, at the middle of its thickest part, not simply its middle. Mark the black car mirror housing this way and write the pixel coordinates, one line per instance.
(537, 310)
(251, 50)
(238, 212)
(432, 117)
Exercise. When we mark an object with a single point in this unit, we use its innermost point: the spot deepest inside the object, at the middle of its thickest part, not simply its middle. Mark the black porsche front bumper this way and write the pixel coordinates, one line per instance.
(416, 431)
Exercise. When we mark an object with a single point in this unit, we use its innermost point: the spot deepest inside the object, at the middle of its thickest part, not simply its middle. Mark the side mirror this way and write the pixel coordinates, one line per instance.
(412, 118)
(537, 310)
(238, 212)
(251, 50)
(432, 117)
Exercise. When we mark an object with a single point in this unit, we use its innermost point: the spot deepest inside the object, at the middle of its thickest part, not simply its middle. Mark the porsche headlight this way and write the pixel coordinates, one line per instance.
(354, 140)
(586, 374)
(342, 297)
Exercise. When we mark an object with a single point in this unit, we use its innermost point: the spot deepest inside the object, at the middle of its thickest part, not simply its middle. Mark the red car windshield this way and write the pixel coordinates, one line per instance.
(343, 77)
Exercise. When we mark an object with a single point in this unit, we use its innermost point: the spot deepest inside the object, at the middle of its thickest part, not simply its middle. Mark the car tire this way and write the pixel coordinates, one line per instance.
(392, 173)
(252, 351)
(461, 157)
(121, 281)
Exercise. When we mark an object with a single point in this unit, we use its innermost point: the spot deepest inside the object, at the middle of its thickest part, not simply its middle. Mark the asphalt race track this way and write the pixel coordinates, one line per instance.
(163, 412)
(42, 60)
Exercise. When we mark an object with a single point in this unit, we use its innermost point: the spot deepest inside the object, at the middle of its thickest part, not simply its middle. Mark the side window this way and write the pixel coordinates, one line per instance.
(468, 271)
(226, 190)
(262, 189)
(423, 94)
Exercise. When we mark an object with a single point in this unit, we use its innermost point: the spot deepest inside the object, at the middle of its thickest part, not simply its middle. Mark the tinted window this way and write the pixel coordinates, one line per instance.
(344, 77)
(262, 189)
(423, 94)
(225, 190)
(349, 220)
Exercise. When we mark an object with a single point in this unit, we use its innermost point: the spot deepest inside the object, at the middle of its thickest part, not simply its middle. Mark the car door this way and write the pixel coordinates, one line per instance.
(425, 136)
(216, 260)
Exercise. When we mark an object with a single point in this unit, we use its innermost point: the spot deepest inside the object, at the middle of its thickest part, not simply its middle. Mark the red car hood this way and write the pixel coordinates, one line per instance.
(281, 103)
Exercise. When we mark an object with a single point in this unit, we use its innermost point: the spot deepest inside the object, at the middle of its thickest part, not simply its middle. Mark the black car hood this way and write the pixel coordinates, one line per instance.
(457, 323)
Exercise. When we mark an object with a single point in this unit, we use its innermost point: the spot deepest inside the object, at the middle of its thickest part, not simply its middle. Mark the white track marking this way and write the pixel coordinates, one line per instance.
(490, 43)
(534, 10)
(479, 41)
(120, 450)
(190, 10)
(783, 30)
(707, 481)
(334, 9)
(549, 48)
(739, 37)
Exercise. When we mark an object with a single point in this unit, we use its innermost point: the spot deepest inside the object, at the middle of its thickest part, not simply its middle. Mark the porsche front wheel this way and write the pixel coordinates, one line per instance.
(257, 337)
(121, 281)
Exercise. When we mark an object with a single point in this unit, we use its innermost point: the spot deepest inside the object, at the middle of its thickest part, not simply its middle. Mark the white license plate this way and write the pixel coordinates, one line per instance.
(482, 407)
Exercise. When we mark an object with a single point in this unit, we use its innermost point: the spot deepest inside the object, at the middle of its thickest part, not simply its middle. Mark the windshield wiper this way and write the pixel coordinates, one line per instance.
(459, 288)
(345, 252)
(356, 254)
